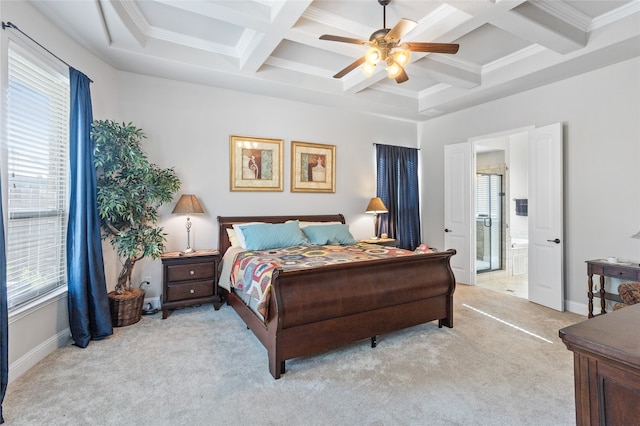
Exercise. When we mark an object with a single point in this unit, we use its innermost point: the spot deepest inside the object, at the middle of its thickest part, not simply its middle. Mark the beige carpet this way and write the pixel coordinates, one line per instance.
(202, 367)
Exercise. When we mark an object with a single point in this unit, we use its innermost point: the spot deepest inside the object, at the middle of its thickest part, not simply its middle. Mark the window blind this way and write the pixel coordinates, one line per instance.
(488, 190)
(37, 166)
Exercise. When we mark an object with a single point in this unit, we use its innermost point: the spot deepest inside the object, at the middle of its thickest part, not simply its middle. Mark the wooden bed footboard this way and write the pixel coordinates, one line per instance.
(315, 310)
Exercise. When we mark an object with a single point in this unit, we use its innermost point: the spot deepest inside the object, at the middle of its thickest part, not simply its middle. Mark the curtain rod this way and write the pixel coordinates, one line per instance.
(418, 149)
(10, 25)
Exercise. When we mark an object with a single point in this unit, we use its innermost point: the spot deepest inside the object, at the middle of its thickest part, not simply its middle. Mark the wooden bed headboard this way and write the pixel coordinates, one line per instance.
(226, 222)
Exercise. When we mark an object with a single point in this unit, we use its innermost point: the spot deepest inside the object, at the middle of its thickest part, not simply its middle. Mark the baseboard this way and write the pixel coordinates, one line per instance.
(31, 358)
(576, 307)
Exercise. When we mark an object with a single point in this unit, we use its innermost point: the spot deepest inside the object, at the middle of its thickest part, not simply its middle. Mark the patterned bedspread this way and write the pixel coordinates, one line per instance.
(252, 270)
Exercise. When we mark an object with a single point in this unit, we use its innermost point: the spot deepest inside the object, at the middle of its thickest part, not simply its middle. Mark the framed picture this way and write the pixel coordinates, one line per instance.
(313, 167)
(256, 164)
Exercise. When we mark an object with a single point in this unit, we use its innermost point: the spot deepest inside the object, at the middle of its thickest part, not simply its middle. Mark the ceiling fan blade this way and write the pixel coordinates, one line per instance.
(402, 77)
(343, 39)
(350, 68)
(432, 47)
(402, 27)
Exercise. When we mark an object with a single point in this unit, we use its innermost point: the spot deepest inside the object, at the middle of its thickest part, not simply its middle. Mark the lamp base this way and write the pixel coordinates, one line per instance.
(375, 237)
(188, 250)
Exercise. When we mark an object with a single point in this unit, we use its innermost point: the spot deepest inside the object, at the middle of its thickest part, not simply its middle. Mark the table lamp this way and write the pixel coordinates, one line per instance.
(376, 206)
(188, 204)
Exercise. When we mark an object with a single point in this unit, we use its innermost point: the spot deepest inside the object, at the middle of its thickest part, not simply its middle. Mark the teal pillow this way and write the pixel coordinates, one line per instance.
(329, 234)
(266, 236)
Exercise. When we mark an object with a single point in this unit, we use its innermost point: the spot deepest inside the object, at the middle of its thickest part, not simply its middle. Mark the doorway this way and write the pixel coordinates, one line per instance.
(545, 227)
(489, 223)
(501, 236)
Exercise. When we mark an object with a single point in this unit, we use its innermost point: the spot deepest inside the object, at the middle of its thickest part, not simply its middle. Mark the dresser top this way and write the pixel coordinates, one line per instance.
(615, 335)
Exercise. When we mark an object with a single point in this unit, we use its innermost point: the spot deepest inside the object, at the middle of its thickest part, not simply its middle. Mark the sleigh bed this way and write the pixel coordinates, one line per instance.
(315, 309)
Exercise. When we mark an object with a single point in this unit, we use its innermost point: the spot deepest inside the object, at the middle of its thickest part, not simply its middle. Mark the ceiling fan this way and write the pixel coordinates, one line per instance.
(385, 46)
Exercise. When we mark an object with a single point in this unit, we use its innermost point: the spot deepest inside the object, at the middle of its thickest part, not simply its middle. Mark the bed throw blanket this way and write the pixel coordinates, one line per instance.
(252, 270)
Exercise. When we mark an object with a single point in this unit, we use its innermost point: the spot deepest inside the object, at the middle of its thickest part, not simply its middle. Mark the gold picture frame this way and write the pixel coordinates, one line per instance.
(256, 164)
(313, 167)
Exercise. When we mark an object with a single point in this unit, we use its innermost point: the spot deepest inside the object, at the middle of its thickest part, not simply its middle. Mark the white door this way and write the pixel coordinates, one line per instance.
(459, 162)
(545, 211)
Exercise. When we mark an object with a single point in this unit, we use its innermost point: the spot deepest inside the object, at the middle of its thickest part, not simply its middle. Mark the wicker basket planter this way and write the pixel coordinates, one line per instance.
(126, 309)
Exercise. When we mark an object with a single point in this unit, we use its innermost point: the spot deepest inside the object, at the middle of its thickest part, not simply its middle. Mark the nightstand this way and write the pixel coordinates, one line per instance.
(390, 242)
(189, 279)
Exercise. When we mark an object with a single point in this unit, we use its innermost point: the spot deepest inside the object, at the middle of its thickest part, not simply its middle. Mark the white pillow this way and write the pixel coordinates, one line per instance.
(233, 237)
(305, 224)
(239, 235)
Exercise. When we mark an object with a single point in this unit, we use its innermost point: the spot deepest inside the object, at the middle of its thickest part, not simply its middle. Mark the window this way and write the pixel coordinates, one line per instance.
(398, 187)
(37, 121)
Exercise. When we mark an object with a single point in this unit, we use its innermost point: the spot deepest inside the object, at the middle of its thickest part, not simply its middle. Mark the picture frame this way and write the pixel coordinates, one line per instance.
(313, 167)
(256, 164)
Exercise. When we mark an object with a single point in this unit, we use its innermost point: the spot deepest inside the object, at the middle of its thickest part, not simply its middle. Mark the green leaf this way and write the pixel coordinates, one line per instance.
(130, 190)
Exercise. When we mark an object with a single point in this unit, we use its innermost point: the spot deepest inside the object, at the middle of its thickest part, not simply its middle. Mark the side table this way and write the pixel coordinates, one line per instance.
(189, 279)
(626, 271)
(390, 242)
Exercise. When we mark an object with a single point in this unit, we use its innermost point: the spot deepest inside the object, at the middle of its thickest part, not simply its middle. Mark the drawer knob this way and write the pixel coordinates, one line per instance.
(192, 291)
(192, 272)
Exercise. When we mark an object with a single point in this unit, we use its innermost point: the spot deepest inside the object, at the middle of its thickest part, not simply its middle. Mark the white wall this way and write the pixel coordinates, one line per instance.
(37, 331)
(518, 183)
(188, 127)
(601, 116)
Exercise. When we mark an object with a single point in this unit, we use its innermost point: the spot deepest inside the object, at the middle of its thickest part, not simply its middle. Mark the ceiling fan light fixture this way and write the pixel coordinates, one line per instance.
(394, 69)
(368, 69)
(401, 57)
(385, 46)
(373, 55)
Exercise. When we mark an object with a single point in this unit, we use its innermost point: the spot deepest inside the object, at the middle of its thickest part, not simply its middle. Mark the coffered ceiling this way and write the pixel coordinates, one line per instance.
(272, 47)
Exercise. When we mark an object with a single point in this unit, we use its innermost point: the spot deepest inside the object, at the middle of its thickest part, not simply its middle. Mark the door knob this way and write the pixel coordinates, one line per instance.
(448, 230)
(557, 241)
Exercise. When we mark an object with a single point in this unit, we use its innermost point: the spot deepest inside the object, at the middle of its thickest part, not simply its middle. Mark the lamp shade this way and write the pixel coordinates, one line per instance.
(376, 206)
(188, 204)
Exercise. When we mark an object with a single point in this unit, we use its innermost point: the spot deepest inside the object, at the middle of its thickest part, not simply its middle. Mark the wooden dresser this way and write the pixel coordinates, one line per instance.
(607, 367)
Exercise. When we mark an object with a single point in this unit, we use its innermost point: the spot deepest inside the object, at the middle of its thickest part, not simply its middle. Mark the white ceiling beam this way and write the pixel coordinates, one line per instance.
(103, 23)
(132, 18)
(296, 66)
(443, 70)
(540, 27)
(284, 16)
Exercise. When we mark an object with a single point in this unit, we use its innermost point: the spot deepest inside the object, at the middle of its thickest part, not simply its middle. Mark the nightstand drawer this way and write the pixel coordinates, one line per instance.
(194, 271)
(189, 290)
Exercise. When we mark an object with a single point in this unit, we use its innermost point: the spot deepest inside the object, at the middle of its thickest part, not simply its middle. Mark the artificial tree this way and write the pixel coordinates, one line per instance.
(130, 190)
